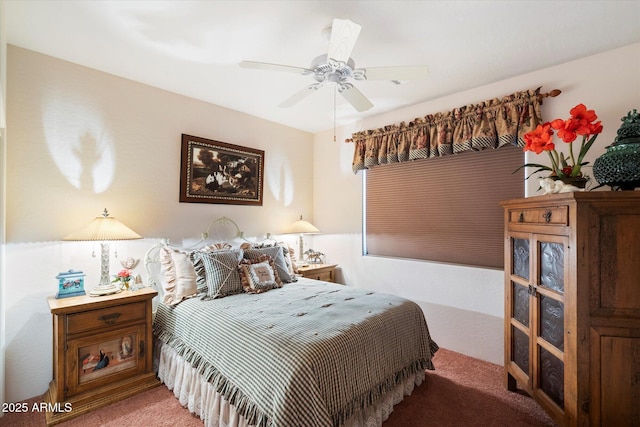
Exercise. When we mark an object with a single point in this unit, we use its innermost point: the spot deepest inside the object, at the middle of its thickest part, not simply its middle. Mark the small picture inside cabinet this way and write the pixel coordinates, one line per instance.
(98, 360)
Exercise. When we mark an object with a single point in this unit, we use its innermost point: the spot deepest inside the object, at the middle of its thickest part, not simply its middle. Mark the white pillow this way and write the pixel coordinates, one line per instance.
(179, 276)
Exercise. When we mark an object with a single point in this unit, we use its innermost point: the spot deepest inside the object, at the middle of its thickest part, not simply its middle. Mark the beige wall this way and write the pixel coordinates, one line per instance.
(80, 140)
(464, 305)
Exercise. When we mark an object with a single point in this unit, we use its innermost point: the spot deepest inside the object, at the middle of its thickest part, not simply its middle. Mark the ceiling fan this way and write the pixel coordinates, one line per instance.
(338, 68)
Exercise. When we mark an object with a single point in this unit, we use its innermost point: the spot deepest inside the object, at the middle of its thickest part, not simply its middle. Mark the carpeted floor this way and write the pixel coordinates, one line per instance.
(462, 391)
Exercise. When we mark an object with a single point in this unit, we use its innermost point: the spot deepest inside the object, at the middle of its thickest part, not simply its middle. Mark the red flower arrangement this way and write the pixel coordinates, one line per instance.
(582, 122)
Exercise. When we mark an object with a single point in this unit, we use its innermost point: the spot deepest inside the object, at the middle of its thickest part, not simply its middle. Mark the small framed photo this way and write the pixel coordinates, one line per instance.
(217, 172)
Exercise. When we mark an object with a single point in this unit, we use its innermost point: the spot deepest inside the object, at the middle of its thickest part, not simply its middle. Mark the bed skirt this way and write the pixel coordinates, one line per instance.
(201, 399)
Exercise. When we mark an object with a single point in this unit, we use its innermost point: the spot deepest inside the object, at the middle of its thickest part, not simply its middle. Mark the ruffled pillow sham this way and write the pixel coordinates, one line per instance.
(179, 276)
(259, 275)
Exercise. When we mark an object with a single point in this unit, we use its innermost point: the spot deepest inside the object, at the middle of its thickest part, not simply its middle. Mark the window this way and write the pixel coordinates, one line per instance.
(444, 209)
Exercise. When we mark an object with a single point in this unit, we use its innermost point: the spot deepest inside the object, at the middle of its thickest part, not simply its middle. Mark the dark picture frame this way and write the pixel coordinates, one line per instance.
(217, 172)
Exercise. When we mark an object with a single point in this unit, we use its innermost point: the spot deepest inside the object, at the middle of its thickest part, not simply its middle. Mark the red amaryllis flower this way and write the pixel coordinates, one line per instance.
(540, 139)
(582, 122)
(566, 129)
(580, 113)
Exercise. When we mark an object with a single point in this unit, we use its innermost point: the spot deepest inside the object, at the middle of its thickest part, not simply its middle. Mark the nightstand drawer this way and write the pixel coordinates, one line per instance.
(555, 215)
(326, 276)
(324, 272)
(90, 320)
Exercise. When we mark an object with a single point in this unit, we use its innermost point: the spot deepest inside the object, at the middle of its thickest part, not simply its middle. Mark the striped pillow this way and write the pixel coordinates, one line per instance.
(218, 271)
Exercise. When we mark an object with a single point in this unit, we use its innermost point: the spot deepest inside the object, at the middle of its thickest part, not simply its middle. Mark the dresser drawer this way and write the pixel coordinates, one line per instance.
(555, 215)
(90, 320)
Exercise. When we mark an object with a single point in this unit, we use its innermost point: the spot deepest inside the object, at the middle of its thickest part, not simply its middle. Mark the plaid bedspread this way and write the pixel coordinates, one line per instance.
(307, 354)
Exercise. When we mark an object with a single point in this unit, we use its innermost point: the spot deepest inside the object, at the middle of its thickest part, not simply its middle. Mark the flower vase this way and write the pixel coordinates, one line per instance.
(576, 181)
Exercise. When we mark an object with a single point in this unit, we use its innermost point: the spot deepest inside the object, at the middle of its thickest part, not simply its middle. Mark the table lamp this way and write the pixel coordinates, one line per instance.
(302, 227)
(104, 229)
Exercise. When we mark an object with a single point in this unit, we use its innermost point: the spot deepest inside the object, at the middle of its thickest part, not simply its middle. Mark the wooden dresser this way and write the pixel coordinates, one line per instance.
(102, 351)
(572, 305)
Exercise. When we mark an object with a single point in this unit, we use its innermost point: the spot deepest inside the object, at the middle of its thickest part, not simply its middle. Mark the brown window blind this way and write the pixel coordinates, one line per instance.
(445, 209)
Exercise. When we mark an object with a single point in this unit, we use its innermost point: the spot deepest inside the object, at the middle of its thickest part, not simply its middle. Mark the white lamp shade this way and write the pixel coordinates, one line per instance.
(104, 228)
(302, 227)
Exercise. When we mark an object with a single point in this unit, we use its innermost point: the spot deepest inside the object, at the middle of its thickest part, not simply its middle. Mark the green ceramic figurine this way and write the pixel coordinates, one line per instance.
(619, 167)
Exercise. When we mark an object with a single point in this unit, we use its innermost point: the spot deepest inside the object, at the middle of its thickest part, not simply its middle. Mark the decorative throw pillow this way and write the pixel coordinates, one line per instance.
(291, 265)
(277, 254)
(218, 271)
(287, 252)
(179, 276)
(259, 275)
(201, 274)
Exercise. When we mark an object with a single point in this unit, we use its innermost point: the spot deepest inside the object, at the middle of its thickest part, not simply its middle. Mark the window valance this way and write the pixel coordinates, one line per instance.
(490, 124)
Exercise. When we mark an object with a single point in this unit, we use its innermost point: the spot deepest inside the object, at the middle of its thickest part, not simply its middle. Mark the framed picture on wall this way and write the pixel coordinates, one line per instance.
(217, 172)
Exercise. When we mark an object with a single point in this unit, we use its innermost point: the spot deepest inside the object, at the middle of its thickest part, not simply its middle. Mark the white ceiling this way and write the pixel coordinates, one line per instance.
(193, 47)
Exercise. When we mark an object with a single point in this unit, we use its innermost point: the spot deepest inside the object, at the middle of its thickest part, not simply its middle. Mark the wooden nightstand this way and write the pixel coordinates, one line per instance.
(102, 351)
(325, 272)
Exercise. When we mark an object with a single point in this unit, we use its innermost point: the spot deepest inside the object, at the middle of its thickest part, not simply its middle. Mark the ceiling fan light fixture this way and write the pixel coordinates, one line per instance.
(323, 66)
(334, 77)
(336, 67)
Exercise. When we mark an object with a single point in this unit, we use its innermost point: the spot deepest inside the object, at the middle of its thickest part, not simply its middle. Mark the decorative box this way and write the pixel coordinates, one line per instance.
(70, 284)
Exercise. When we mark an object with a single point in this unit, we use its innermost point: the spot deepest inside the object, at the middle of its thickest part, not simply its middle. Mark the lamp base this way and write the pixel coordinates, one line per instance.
(105, 287)
(101, 290)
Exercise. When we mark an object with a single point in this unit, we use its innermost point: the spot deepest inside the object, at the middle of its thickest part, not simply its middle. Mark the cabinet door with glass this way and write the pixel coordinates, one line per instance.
(535, 316)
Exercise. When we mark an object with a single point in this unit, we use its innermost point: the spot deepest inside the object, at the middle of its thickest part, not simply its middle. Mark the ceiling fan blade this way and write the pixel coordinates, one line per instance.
(274, 67)
(344, 34)
(300, 95)
(419, 72)
(355, 97)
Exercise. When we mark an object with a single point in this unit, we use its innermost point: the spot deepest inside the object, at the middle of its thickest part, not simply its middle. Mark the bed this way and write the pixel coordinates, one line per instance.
(287, 351)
